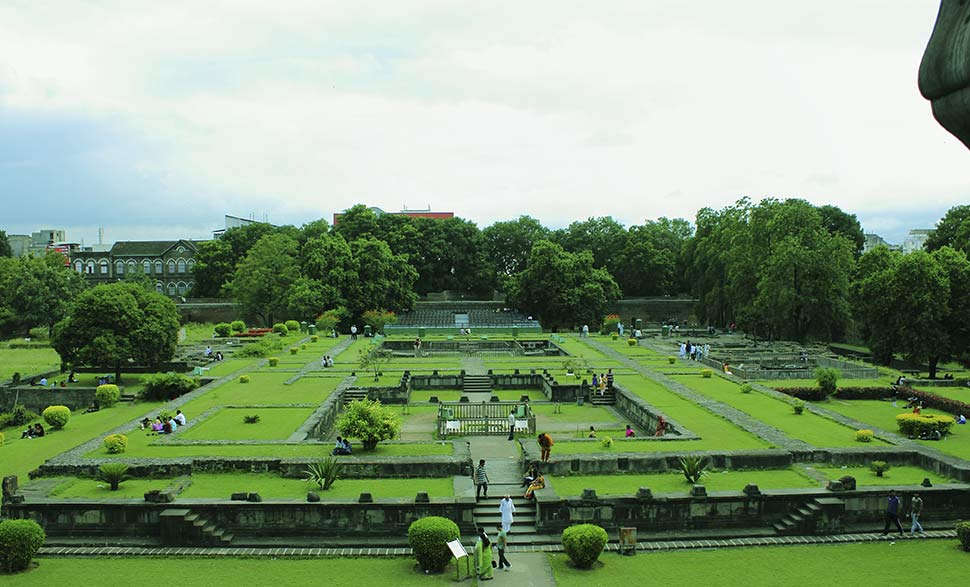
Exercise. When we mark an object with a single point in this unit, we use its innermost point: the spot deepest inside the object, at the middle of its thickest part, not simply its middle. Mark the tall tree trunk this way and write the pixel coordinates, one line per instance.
(933, 362)
(117, 372)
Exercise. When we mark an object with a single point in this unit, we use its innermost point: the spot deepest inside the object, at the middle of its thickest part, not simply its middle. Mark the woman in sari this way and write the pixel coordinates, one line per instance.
(483, 556)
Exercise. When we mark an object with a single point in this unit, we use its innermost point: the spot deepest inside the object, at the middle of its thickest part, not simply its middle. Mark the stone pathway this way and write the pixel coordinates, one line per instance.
(473, 365)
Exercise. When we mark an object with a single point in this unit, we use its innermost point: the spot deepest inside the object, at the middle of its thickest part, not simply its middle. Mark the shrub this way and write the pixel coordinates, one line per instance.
(827, 378)
(946, 404)
(610, 323)
(107, 394)
(809, 394)
(671, 360)
(329, 319)
(615, 336)
(314, 338)
(292, 325)
(863, 392)
(428, 538)
(113, 474)
(223, 329)
(166, 386)
(244, 379)
(280, 328)
(370, 421)
(237, 326)
(919, 424)
(746, 388)
(378, 319)
(879, 467)
(583, 544)
(19, 542)
(19, 416)
(251, 419)
(692, 467)
(1, 438)
(607, 442)
(631, 342)
(963, 533)
(274, 361)
(324, 473)
(706, 373)
(56, 416)
(115, 443)
(798, 406)
(864, 435)
(293, 350)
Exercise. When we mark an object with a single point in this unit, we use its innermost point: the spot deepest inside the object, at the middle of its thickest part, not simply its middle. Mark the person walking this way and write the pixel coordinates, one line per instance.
(512, 424)
(506, 508)
(915, 509)
(353, 332)
(892, 513)
(545, 445)
(483, 556)
(609, 379)
(502, 541)
(481, 480)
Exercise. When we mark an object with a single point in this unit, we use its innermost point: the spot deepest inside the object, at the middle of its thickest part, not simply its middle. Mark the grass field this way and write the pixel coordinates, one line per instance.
(571, 413)
(899, 475)
(227, 424)
(676, 483)
(139, 446)
(875, 563)
(264, 388)
(27, 361)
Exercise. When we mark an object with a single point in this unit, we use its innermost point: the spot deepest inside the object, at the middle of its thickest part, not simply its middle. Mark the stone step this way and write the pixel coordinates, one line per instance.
(524, 511)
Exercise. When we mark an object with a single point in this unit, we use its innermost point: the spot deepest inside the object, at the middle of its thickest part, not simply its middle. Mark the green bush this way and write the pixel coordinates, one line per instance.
(370, 421)
(798, 406)
(864, 435)
(428, 538)
(692, 467)
(222, 329)
(919, 424)
(107, 395)
(746, 388)
(614, 336)
(113, 474)
(314, 338)
(251, 419)
(583, 544)
(671, 360)
(166, 386)
(1, 438)
(293, 350)
(324, 473)
(274, 361)
(828, 379)
(244, 379)
(607, 442)
(19, 416)
(879, 467)
(115, 443)
(19, 542)
(610, 324)
(292, 325)
(303, 347)
(237, 326)
(56, 416)
(280, 328)
(329, 319)
(706, 373)
(631, 342)
(963, 533)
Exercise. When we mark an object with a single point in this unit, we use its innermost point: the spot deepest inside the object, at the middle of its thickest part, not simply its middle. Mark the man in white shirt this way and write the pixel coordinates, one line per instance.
(512, 425)
(353, 332)
(179, 417)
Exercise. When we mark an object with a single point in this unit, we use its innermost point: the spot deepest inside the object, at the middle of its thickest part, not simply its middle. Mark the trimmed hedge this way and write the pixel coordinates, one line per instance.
(107, 395)
(815, 394)
(583, 544)
(222, 329)
(864, 435)
(918, 424)
(166, 386)
(19, 542)
(56, 416)
(706, 373)
(244, 379)
(237, 326)
(428, 538)
(280, 328)
(945, 404)
(274, 361)
(1, 438)
(963, 533)
(293, 350)
(292, 325)
(115, 443)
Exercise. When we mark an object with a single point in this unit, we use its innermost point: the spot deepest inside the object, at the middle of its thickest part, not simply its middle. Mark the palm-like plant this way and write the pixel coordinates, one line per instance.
(692, 467)
(324, 473)
(113, 474)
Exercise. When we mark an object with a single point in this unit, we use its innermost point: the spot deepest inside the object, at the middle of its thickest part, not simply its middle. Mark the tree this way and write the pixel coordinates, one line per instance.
(381, 279)
(952, 230)
(604, 237)
(307, 298)
(35, 291)
(378, 319)
(5, 250)
(357, 222)
(507, 244)
(651, 262)
(870, 306)
(110, 325)
(448, 255)
(563, 289)
(262, 280)
(836, 221)
(370, 421)
(214, 264)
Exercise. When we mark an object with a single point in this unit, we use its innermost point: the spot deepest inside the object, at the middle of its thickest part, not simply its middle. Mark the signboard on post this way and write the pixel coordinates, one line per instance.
(458, 551)
(628, 540)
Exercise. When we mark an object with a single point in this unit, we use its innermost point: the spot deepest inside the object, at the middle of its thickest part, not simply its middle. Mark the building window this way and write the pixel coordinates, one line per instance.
(182, 288)
(181, 265)
(104, 267)
(159, 287)
(190, 265)
(171, 266)
(171, 289)
(119, 268)
(148, 267)
(131, 266)
(79, 266)
(90, 268)
(158, 267)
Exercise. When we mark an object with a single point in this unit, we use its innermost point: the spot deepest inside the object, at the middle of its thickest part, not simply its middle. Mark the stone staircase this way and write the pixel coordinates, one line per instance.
(819, 516)
(487, 516)
(183, 527)
(477, 384)
(607, 399)
(351, 395)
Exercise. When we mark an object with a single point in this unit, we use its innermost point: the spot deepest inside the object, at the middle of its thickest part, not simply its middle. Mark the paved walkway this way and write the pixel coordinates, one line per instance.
(473, 365)
(503, 458)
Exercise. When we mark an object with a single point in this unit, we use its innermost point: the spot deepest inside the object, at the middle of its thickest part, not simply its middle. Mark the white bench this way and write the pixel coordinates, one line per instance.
(521, 425)
(452, 426)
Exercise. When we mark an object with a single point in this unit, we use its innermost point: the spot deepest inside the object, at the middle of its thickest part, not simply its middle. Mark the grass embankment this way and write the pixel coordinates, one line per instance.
(26, 361)
(228, 424)
(899, 475)
(676, 483)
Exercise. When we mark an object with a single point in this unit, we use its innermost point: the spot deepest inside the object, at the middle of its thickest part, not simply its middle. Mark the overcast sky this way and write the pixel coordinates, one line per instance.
(153, 119)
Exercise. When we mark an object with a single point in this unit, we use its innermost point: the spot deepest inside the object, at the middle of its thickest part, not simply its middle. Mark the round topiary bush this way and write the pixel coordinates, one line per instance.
(864, 435)
(222, 329)
(314, 338)
(428, 538)
(706, 373)
(293, 350)
(115, 443)
(583, 544)
(244, 379)
(963, 533)
(107, 395)
(671, 360)
(280, 328)
(237, 326)
(607, 442)
(631, 342)
(274, 361)
(614, 336)
(56, 416)
(746, 388)
(19, 541)
(292, 325)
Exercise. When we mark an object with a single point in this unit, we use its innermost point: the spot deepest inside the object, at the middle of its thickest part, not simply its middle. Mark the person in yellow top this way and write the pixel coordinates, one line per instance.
(483, 556)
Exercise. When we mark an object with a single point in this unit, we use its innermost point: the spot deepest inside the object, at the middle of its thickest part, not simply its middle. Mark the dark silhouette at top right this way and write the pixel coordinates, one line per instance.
(944, 74)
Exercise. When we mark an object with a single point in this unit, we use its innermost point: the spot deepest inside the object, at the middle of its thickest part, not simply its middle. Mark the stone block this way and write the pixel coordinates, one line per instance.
(835, 486)
(159, 496)
(926, 482)
(365, 498)
(589, 495)
(698, 491)
(254, 497)
(751, 490)
(848, 483)
(422, 497)
(9, 487)
(312, 497)
(239, 497)
(645, 494)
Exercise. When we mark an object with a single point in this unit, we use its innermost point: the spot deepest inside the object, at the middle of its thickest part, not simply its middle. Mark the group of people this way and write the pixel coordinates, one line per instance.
(35, 431)
(342, 447)
(164, 425)
(892, 514)
(603, 382)
(326, 361)
(694, 352)
(465, 331)
(216, 356)
(533, 480)
(485, 564)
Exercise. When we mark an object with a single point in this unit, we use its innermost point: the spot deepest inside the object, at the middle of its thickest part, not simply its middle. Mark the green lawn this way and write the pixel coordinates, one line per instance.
(899, 475)
(961, 394)
(210, 571)
(808, 427)
(444, 395)
(907, 562)
(228, 366)
(139, 446)
(514, 395)
(91, 489)
(572, 413)
(227, 424)
(275, 487)
(676, 483)
(882, 414)
(622, 445)
(264, 388)
(17, 456)
(27, 361)
(877, 382)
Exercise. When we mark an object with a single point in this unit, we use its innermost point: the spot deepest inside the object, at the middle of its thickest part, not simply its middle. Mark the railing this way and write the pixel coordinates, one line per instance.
(486, 418)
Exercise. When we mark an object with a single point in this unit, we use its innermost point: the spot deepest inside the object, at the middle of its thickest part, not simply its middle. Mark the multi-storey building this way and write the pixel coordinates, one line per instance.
(168, 263)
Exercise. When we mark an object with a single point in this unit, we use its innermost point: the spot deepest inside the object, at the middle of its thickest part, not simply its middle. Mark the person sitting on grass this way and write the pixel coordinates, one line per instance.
(531, 475)
(179, 418)
(167, 427)
(934, 434)
(146, 424)
(38, 430)
(961, 419)
(157, 426)
(538, 483)
(661, 426)
(340, 448)
(629, 431)
(592, 433)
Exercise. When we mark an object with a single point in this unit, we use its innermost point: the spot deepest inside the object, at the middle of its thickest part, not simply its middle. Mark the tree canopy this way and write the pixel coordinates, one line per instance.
(35, 291)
